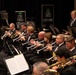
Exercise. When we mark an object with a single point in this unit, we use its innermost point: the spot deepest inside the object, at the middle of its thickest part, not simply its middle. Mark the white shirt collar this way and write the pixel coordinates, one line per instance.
(72, 49)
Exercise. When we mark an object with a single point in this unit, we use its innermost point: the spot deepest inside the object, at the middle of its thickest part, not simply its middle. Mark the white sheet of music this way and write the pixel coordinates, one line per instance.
(17, 64)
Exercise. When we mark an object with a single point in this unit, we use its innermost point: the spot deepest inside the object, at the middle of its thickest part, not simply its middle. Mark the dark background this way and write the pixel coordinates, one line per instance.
(62, 9)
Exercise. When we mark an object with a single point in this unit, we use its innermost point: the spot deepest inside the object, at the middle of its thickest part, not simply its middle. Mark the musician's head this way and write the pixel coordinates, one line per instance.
(23, 26)
(48, 37)
(73, 14)
(12, 26)
(60, 38)
(30, 29)
(62, 54)
(39, 67)
(41, 35)
(30, 23)
(70, 42)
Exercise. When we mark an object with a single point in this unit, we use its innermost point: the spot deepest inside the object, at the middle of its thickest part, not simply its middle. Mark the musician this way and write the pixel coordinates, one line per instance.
(31, 33)
(22, 32)
(40, 38)
(30, 23)
(11, 31)
(39, 67)
(72, 23)
(73, 18)
(70, 44)
(31, 53)
(7, 40)
(45, 53)
(23, 29)
(62, 56)
(59, 43)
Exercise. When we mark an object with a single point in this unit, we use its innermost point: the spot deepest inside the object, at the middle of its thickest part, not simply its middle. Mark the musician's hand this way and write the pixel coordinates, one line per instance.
(49, 47)
(32, 41)
(22, 38)
(55, 67)
(18, 32)
(7, 33)
(38, 44)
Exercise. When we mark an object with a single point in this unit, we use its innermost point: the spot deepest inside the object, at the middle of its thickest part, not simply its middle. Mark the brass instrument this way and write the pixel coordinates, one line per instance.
(63, 63)
(50, 72)
(53, 58)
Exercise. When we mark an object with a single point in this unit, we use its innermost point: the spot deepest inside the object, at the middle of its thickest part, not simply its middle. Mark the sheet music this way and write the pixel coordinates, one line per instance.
(17, 64)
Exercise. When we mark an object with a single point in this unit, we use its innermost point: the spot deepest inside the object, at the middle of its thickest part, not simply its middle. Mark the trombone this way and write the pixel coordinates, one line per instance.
(63, 63)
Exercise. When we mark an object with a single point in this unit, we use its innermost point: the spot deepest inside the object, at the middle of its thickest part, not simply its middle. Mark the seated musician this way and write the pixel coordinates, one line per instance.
(59, 43)
(39, 40)
(32, 49)
(11, 31)
(31, 33)
(23, 27)
(44, 52)
(22, 32)
(70, 44)
(65, 65)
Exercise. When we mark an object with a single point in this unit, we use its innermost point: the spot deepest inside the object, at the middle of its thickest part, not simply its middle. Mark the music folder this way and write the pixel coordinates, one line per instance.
(16, 64)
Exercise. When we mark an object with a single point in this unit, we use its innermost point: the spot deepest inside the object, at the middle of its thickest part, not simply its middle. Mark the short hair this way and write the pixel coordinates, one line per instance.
(30, 23)
(70, 39)
(61, 36)
(41, 66)
(48, 35)
(12, 24)
(73, 12)
(63, 52)
(42, 33)
(23, 23)
(30, 28)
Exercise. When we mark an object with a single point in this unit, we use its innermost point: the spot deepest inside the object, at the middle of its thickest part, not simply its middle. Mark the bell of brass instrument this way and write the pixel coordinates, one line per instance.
(50, 72)
(53, 58)
(5, 35)
(2, 37)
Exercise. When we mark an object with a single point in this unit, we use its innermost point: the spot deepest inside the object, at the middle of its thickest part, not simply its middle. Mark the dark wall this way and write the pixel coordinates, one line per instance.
(62, 10)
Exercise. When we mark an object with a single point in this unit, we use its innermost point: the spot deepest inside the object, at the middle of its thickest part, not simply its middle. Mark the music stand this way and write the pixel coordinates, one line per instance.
(16, 64)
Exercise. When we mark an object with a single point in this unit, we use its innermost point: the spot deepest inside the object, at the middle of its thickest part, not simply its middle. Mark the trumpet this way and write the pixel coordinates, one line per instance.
(28, 42)
(5, 35)
(2, 37)
(41, 49)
